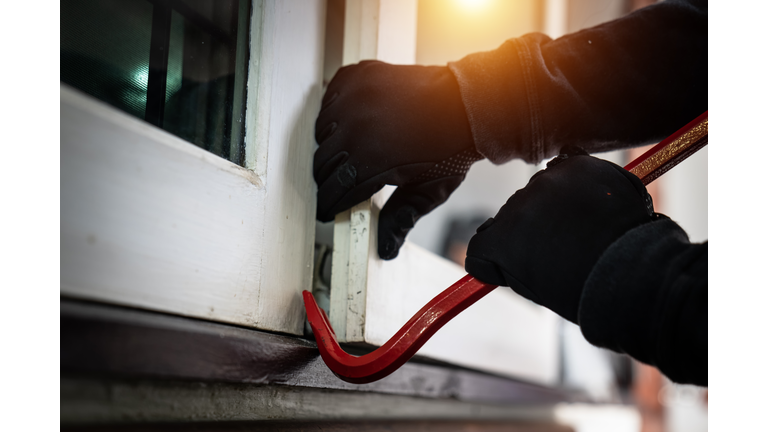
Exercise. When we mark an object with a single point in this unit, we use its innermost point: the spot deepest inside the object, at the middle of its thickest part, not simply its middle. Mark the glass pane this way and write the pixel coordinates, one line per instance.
(180, 65)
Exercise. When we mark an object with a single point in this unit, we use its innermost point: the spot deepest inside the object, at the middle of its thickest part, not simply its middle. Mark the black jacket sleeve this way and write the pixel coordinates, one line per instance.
(647, 297)
(625, 83)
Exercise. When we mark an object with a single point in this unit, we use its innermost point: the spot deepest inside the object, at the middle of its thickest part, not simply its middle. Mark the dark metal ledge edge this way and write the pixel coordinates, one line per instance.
(104, 340)
(111, 401)
(339, 426)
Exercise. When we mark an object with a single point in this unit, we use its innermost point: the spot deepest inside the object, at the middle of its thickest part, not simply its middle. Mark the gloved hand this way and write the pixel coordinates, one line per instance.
(389, 124)
(545, 240)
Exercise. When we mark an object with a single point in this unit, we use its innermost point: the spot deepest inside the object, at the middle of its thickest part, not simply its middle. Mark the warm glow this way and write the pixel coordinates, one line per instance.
(472, 4)
(449, 30)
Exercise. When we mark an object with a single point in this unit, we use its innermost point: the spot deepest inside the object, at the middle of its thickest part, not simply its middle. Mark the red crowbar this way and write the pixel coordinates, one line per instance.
(464, 293)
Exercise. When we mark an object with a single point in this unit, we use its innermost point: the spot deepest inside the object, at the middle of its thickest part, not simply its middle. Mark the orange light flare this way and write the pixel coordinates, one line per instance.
(473, 5)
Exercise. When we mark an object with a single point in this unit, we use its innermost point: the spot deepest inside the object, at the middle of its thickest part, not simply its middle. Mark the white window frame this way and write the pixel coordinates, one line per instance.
(151, 221)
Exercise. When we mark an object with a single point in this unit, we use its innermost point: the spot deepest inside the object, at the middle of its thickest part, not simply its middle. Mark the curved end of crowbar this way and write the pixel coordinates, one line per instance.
(404, 344)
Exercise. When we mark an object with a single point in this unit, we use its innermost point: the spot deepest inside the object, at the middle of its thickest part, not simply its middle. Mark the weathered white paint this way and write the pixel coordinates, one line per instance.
(366, 36)
(259, 92)
(371, 299)
(338, 309)
(361, 30)
(149, 220)
(292, 50)
(352, 228)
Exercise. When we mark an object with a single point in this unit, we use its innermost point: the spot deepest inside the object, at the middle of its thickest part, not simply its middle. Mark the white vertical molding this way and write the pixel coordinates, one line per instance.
(352, 232)
(381, 30)
(340, 275)
(555, 18)
(397, 31)
(293, 33)
(259, 90)
(361, 31)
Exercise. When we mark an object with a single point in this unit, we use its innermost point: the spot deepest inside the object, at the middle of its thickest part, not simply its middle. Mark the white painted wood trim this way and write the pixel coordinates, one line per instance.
(394, 41)
(352, 228)
(259, 89)
(361, 31)
(151, 221)
(555, 18)
(292, 55)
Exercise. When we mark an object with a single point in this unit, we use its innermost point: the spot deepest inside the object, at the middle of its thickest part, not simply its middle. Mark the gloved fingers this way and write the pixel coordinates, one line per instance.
(490, 273)
(327, 123)
(343, 72)
(326, 158)
(545, 240)
(337, 82)
(328, 99)
(642, 191)
(567, 152)
(324, 130)
(406, 206)
(343, 79)
(331, 110)
(482, 249)
(571, 173)
(340, 192)
(325, 170)
(337, 110)
(484, 270)
(345, 187)
(335, 132)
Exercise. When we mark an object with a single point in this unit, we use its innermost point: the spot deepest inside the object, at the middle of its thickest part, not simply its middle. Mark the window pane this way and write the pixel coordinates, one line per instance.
(180, 65)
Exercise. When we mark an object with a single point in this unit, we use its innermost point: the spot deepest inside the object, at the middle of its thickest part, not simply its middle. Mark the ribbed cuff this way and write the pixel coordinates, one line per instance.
(500, 97)
(622, 303)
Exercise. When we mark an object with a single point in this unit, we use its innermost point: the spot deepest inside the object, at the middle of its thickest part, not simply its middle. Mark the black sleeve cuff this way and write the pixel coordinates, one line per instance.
(628, 82)
(499, 94)
(647, 297)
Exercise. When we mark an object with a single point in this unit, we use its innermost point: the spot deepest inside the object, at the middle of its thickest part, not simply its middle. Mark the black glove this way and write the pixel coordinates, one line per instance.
(545, 240)
(388, 124)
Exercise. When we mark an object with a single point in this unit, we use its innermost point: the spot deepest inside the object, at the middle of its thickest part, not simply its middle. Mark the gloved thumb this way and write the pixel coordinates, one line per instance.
(406, 206)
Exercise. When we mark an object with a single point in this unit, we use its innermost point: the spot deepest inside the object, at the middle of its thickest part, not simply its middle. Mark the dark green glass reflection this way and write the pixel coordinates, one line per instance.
(180, 65)
(106, 54)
